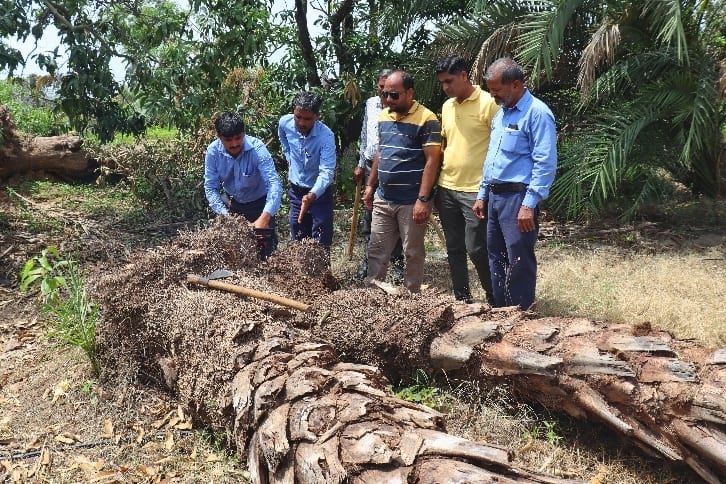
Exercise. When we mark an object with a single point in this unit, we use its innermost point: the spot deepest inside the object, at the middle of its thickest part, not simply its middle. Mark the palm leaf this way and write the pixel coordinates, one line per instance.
(666, 17)
(600, 50)
(542, 36)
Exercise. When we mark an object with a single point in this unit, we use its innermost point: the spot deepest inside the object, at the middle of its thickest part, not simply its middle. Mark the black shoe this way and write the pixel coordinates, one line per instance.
(464, 297)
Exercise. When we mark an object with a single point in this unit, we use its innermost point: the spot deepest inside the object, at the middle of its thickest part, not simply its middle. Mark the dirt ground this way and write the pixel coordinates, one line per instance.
(58, 423)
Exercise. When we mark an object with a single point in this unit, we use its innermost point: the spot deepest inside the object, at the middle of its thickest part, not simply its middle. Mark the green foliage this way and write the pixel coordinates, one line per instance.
(65, 299)
(167, 177)
(546, 430)
(31, 114)
(420, 389)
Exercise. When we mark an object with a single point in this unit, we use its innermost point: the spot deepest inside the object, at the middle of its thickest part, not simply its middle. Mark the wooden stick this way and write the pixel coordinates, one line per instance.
(224, 286)
(354, 223)
(439, 232)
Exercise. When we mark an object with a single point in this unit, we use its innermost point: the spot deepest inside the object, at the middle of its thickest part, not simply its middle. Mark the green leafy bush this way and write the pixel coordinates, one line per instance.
(32, 116)
(65, 299)
(167, 176)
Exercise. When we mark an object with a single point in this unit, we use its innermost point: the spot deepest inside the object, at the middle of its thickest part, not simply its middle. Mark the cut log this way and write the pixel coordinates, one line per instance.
(59, 155)
(298, 414)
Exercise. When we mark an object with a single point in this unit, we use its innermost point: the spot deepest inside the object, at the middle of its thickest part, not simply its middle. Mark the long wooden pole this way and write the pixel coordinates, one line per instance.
(224, 286)
(354, 223)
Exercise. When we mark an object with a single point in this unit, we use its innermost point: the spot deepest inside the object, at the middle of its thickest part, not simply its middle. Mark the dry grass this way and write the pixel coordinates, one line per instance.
(681, 293)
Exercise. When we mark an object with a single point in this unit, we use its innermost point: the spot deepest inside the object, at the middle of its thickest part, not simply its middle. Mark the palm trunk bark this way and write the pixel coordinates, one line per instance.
(273, 379)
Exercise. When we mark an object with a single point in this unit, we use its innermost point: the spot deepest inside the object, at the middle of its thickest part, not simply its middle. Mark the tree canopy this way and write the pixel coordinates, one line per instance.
(634, 85)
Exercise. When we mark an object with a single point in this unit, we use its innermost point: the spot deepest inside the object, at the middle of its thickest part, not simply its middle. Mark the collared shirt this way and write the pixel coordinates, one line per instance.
(466, 126)
(311, 157)
(247, 177)
(522, 149)
(401, 159)
(369, 131)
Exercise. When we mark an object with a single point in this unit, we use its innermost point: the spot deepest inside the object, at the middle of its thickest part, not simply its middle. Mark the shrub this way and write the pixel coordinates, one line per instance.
(30, 115)
(65, 299)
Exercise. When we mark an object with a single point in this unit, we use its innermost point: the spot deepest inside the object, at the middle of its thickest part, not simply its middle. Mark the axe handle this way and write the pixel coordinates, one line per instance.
(354, 224)
(243, 291)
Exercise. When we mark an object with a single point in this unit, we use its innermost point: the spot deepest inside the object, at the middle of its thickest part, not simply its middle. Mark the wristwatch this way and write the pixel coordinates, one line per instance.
(424, 198)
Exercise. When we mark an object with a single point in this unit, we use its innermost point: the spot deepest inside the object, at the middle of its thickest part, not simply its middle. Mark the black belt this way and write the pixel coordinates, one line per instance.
(507, 187)
(299, 190)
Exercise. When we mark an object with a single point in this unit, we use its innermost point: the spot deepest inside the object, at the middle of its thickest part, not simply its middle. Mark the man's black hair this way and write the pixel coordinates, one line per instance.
(451, 64)
(308, 101)
(229, 124)
(406, 78)
(508, 68)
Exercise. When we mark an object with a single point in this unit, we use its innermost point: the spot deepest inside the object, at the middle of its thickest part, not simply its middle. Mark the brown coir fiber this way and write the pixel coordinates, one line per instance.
(193, 340)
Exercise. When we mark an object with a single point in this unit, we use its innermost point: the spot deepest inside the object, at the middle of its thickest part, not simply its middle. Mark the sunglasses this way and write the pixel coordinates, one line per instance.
(392, 95)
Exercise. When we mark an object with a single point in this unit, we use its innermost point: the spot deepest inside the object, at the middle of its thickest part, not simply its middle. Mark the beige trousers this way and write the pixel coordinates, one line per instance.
(391, 221)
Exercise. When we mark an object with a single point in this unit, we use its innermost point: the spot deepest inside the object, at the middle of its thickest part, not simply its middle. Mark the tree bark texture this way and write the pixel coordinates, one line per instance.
(273, 378)
(59, 155)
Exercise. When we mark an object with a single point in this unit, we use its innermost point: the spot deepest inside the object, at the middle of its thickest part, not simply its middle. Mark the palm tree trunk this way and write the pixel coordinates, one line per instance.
(273, 380)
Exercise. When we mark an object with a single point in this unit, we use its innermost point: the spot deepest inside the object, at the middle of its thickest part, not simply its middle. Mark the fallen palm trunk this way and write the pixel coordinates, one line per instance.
(666, 396)
(291, 405)
(60, 155)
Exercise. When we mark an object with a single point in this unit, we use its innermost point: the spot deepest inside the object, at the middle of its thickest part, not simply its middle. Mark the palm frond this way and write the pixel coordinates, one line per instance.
(667, 20)
(542, 35)
(497, 45)
(595, 164)
(600, 50)
(626, 75)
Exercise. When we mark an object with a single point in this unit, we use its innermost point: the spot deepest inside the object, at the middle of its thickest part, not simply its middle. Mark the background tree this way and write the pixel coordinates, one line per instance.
(646, 74)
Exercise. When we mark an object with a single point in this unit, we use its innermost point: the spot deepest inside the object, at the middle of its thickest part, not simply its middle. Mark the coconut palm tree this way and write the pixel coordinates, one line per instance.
(646, 75)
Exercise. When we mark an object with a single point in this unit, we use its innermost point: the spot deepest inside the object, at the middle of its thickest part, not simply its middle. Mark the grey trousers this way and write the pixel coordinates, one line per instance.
(391, 221)
(464, 233)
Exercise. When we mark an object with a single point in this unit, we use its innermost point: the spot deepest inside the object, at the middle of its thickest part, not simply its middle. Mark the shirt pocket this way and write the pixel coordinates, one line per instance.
(515, 141)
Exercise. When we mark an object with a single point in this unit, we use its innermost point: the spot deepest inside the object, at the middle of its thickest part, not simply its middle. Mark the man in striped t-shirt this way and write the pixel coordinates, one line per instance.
(405, 169)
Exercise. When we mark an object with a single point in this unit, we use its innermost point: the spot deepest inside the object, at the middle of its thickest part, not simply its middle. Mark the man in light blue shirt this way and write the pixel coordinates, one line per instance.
(518, 171)
(240, 178)
(309, 148)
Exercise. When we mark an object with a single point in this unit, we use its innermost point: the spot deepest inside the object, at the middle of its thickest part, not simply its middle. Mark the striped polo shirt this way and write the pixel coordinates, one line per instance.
(401, 161)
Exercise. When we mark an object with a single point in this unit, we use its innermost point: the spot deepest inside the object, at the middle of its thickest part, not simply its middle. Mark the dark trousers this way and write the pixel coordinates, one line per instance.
(465, 234)
(511, 252)
(252, 211)
(317, 222)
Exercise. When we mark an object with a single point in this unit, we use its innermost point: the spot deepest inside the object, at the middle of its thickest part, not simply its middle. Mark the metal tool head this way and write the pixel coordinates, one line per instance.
(219, 274)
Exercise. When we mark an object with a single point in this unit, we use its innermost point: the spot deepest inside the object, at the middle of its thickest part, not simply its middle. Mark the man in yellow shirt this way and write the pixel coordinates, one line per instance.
(465, 127)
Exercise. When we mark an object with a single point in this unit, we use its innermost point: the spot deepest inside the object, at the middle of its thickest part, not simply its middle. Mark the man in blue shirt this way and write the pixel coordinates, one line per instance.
(240, 177)
(518, 171)
(309, 148)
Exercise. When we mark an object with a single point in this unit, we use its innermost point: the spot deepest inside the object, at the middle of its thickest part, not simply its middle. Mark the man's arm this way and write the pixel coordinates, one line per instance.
(212, 185)
(372, 182)
(274, 186)
(326, 167)
(422, 210)
(282, 136)
(544, 158)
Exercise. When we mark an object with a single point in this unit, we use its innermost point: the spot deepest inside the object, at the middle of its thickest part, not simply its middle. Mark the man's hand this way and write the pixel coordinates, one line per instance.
(421, 212)
(307, 199)
(262, 222)
(358, 173)
(368, 197)
(525, 219)
(480, 209)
